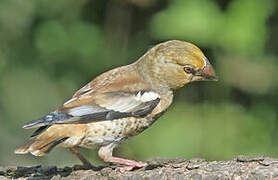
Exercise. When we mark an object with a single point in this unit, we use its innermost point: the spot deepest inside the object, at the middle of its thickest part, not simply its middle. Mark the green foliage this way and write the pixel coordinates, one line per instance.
(52, 37)
(49, 49)
(241, 29)
(81, 38)
(15, 18)
(2, 61)
(182, 20)
(244, 27)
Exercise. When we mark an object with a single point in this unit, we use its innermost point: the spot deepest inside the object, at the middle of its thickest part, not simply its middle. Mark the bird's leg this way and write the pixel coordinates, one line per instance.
(106, 154)
(86, 163)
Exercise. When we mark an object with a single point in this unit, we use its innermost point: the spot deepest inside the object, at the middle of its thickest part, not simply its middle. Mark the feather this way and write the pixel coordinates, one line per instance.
(39, 148)
(52, 118)
(82, 110)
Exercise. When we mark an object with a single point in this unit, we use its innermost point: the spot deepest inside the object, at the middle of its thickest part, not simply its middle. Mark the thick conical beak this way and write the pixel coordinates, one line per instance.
(207, 73)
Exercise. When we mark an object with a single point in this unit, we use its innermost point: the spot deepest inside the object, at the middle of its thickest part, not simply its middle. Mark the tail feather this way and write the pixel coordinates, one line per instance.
(51, 118)
(35, 124)
(24, 149)
(39, 131)
(48, 147)
(39, 147)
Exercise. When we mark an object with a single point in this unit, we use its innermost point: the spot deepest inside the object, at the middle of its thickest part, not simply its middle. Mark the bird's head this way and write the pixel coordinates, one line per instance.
(175, 63)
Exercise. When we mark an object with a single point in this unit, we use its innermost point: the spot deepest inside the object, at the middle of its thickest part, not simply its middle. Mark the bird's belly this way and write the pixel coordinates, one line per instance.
(116, 131)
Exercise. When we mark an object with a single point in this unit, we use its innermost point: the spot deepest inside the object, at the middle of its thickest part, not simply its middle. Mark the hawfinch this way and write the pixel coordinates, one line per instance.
(119, 103)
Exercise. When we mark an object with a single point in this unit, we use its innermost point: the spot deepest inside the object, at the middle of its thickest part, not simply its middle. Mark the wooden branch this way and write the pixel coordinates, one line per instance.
(257, 167)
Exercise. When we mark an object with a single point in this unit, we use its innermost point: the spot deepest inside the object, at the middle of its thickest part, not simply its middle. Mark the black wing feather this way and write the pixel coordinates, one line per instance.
(112, 115)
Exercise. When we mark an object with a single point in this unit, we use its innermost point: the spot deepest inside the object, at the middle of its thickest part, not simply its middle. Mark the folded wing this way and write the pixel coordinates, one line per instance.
(94, 107)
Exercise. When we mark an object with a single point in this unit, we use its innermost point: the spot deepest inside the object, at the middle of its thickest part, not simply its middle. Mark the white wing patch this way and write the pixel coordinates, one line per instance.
(124, 105)
(147, 96)
(82, 110)
(129, 103)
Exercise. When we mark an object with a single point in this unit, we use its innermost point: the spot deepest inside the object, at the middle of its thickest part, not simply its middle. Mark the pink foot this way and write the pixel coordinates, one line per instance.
(130, 164)
(130, 167)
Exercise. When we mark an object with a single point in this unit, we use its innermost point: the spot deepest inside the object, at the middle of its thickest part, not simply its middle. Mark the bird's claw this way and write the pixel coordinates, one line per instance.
(131, 167)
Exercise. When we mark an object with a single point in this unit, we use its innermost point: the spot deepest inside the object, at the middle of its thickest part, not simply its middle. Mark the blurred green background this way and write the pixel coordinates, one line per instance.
(50, 49)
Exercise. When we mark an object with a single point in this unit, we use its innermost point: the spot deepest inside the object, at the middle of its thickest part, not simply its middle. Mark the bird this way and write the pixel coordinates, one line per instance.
(119, 104)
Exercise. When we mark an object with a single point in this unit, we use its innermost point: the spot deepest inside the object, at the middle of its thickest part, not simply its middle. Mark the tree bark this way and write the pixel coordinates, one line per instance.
(242, 167)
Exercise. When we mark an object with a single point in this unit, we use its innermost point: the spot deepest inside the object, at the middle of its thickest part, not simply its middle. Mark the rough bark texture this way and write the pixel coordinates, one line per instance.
(242, 167)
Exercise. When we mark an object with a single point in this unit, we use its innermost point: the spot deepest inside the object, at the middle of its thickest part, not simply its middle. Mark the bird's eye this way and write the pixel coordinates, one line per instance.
(189, 70)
